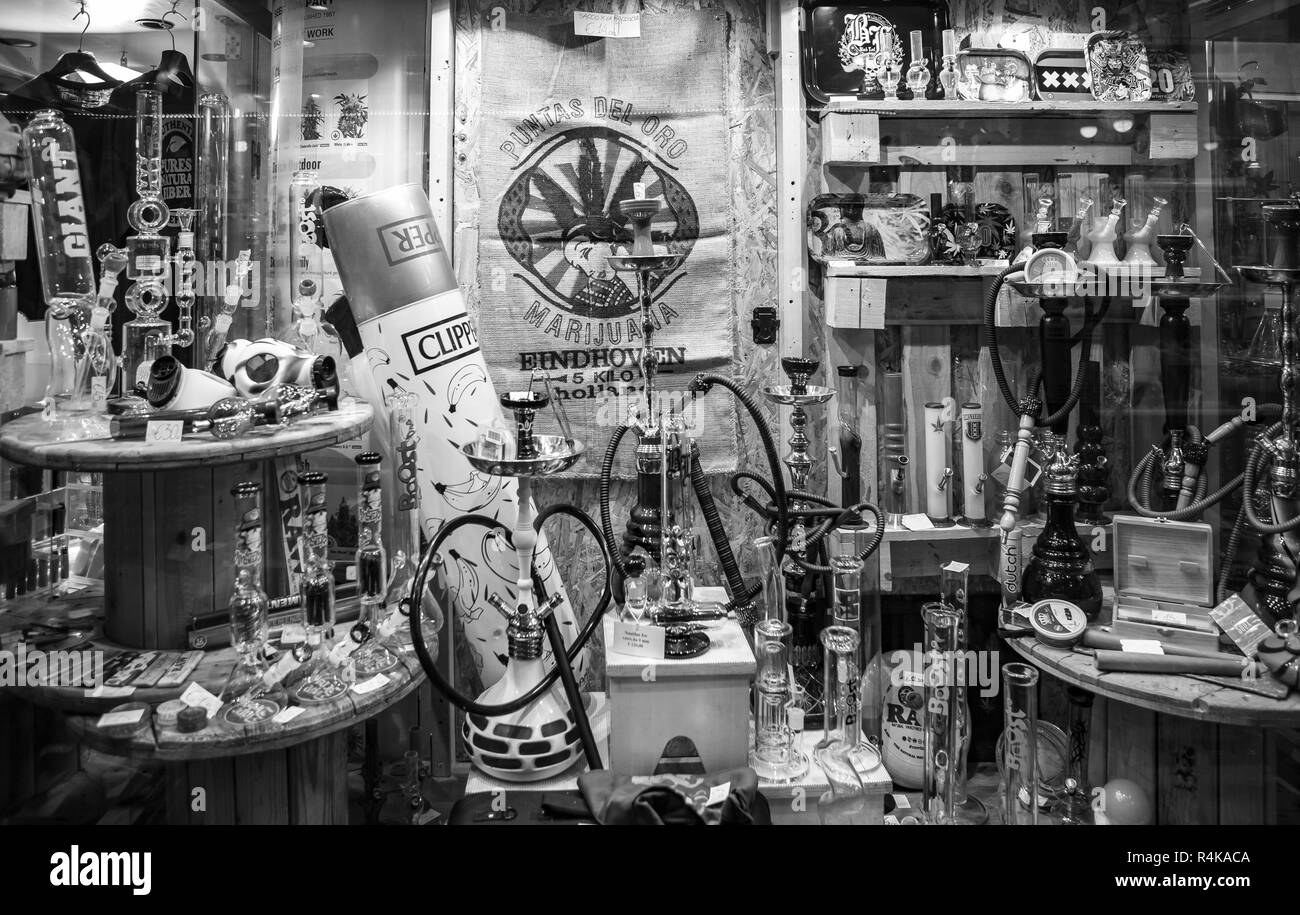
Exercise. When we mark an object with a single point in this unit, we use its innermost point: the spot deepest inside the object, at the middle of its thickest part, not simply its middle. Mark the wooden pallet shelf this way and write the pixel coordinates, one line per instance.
(959, 107)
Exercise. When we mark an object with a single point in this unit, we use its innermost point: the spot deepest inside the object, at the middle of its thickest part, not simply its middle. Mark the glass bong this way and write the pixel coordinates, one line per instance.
(1103, 235)
(63, 250)
(1076, 242)
(404, 442)
(321, 681)
(1142, 234)
(246, 687)
(918, 74)
(775, 755)
(371, 632)
(845, 801)
(948, 72)
(309, 330)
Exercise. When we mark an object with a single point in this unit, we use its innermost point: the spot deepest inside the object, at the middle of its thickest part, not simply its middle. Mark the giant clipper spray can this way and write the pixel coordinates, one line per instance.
(408, 330)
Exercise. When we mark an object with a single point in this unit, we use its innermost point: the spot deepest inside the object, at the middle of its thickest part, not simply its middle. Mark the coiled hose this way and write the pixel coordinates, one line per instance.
(1258, 459)
(834, 516)
(462, 702)
(1020, 405)
(741, 596)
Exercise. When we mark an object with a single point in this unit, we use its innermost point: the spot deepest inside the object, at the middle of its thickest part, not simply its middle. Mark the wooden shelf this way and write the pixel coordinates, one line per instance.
(897, 271)
(997, 155)
(951, 107)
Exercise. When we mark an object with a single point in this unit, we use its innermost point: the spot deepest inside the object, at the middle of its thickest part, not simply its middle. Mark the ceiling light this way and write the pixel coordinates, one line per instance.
(158, 25)
(18, 42)
(1088, 131)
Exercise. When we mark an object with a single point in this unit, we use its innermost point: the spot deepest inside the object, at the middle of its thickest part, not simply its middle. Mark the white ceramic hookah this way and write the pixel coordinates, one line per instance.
(1140, 237)
(1104, 234)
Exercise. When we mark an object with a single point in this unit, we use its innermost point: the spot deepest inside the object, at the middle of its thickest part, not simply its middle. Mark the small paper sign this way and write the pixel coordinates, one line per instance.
(638, 190)
(718, 794)
(110, 692)
(1141, 646)
(639, 641)
(1172, 617)
(164, 431)
(284, 716)
(350, 573)
(196, 695)
(900, 802)
(293, 634)
(378, 681)
(115, 719)
(607, 25)
(919, 522)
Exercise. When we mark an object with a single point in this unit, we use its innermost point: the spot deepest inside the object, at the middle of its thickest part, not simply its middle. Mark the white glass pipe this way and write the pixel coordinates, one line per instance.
(938, 473)
(973, 475)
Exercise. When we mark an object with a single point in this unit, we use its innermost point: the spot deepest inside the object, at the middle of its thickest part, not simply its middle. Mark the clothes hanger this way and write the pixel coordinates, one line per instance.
(173, 64)
(82, 61)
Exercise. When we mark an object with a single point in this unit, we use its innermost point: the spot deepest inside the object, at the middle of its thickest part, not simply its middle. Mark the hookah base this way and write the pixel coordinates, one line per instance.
(778, 773)
(945, 521)
(682, 642)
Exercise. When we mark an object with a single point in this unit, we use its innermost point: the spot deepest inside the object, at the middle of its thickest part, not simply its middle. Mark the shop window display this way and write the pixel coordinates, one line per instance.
(910, 387)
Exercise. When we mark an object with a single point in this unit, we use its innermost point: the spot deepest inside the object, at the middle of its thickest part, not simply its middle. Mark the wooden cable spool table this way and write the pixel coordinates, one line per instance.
(1205, 752)
(292, 773)
(168, 512)
(168, 519)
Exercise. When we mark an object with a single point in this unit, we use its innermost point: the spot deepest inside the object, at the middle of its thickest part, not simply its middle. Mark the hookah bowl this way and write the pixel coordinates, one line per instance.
(539, 740)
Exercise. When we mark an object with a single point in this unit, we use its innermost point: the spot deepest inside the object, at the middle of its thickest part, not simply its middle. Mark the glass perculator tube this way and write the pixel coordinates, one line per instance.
(1020, 740)
(942, 728)
(846, 613)
(404, 444)
(845, 801)
(248, 604)
(371, 633)
(775, 756)
(64, 254)
(316, 587)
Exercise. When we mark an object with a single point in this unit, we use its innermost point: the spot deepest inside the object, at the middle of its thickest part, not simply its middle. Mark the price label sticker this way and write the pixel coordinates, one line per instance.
(901, 802)
(1141, 646)
(1169, 616)
(607, 25)
(718, 794)
(918, 522)
(350, 573)
(638, 190)
(196, 696)
(110, 692)
(639, 641)
(378, 681)
(114, 719)
(164, 431)
(284, 716)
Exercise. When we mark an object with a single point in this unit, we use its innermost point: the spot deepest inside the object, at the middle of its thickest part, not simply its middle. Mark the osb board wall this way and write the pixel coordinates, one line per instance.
(752, 179)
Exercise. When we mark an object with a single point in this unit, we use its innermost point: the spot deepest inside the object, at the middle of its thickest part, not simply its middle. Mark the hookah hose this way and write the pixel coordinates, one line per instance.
(1084, 337)
(718, 534)
(1140, 482)
(834, 516)
(717, 531)
(462, 702)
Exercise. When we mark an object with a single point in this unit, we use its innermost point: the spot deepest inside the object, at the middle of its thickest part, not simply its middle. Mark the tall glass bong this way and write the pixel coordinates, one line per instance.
(64, 253)
(942, 714)
(321, 680)
(775, 755)
(372, 632)
(248, 603)
(1020, 745)
(845, 801)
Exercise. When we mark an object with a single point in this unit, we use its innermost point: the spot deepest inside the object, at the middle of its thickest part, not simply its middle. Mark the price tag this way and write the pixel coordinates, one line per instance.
(293, 634)
(919, 522)
(718, 794)
(1169, 616)
(284, 716)
(1141, 646)
(350, 573)
(114, 719)
(378, 681)
(638, 190)
(639, 641)
(196, 695)
(900, 802)
(607, 25)
(164, 431)
(110, 692)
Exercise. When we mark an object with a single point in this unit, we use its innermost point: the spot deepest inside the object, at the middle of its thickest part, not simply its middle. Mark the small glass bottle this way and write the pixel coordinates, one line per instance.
(636, 590)
(371, 632)
(316, 587)
(248, 604)
(64, 254)
(918, 73)
(1020, 745)
(775, 756)
(845, 801)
